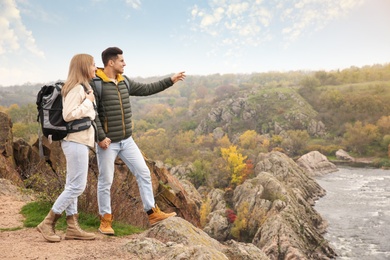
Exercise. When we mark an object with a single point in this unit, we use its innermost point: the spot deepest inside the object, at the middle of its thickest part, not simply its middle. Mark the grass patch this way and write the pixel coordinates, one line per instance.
(35, 212)
(10, 229)
(382, 163)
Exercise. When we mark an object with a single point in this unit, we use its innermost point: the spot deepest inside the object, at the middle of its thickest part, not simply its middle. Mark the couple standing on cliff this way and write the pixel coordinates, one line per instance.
(110, 109)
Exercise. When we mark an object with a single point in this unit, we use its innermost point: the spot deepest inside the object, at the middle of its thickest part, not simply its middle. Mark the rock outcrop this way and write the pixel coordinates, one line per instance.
(176, 238)
(47, 174)
(7, 162)
(270, 216)
(316, 164)
(274, 211)
(255, 110)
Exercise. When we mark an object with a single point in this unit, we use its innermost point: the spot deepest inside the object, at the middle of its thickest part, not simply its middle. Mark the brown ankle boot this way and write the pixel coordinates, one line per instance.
(106, 224)
(74, 231)
(158, 215)
(47, 227)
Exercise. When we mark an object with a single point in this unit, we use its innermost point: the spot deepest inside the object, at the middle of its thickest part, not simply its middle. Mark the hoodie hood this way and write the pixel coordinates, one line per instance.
(100, 73)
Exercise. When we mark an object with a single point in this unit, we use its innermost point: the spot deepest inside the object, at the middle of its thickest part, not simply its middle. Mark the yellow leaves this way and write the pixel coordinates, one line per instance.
(204, 212)
(251, 140)
(235, 163)
(248, 139)
(241, 222)
(3, 109)
(224, 142)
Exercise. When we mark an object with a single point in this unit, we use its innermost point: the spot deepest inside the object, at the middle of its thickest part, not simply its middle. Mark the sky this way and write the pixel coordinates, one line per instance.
(38, 38)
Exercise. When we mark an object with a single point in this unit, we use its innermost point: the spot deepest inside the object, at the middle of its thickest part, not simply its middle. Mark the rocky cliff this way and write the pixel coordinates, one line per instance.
(268, 217)
(264, 110)
(275, 210)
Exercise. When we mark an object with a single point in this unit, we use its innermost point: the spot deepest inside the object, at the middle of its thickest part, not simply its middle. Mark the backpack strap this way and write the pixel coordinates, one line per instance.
(98, 85)
(127, 83)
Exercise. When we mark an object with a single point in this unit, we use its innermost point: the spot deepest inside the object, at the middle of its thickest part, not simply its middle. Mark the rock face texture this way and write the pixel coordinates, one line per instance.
(270, 216)
(274, 211)
(7, 162)
(175, 238)
(316, 164)
(169, 193)
(23, 165)
(257, 111)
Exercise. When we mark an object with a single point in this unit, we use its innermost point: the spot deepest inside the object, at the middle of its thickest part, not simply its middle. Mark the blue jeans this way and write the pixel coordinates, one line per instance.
(130, 154)
(77, 156)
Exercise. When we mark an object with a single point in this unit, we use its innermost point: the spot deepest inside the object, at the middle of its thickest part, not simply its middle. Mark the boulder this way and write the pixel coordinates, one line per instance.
(316, 164)
(176, 238)
(344, 156)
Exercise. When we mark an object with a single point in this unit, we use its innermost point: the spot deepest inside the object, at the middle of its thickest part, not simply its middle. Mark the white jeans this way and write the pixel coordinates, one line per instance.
(130, 154)
(77, 156)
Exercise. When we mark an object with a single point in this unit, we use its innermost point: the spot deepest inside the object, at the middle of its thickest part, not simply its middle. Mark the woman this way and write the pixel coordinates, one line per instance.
(78, 102)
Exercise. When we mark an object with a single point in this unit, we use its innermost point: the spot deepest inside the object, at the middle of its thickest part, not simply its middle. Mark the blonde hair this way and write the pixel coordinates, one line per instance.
(79, 72)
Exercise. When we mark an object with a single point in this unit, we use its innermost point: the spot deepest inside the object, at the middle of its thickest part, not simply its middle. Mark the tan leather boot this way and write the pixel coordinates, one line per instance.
(74, 231)
(47, 227)
(106, 224)
(158, 215)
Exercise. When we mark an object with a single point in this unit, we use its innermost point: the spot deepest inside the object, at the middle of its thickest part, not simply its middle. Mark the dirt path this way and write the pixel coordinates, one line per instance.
(27, 243)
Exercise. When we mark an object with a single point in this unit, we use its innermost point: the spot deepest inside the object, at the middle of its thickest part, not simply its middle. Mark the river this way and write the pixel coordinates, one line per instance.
(357, 208)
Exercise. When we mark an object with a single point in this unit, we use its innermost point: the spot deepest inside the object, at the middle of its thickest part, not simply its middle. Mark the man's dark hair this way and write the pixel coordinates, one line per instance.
(110, 53)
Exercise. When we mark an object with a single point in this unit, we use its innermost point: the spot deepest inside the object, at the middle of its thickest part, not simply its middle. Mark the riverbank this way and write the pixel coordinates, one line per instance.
(364, 162)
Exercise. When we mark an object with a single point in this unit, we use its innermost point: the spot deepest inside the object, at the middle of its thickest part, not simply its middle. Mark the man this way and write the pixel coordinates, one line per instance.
(114, 133)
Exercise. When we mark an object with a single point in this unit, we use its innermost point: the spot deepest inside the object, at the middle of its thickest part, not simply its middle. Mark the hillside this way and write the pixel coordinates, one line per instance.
(295, 112)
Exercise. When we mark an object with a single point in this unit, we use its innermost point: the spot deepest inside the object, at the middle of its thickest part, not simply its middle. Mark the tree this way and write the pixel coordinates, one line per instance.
(248, 140)
(224, 142)
(310, 83)
(240, 229)
(276, 141)
(332, 99)
(205, 141)
(198, 177)
(182, 145)
(295, 141)
(384, 124)
(157, 113)
(153, 143)
(358, 137)
(235, 164)
(248, 171)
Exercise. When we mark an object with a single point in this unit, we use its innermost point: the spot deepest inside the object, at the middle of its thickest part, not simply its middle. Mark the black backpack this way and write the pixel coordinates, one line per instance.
(49, 105)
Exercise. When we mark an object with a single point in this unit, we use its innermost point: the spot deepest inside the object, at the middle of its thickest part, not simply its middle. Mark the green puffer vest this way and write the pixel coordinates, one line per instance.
(114, 108)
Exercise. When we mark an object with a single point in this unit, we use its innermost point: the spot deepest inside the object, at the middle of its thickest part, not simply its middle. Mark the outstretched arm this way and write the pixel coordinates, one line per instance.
(178, 76)
(147, 89)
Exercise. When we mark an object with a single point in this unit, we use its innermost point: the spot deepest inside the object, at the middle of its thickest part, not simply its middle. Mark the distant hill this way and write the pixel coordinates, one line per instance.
(316, 101)
(20, 94)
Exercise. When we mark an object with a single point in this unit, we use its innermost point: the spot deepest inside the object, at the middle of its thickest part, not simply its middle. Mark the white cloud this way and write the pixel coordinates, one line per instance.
(237, 9)
(134, 3)
(13, 34)
(311, 15)
(253, 21)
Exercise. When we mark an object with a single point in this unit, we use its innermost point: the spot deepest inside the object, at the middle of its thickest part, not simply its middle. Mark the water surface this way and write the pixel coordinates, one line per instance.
(357, 208)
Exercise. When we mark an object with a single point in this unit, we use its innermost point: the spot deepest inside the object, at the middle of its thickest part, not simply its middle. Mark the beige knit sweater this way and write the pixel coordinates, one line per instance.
(76, 106)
